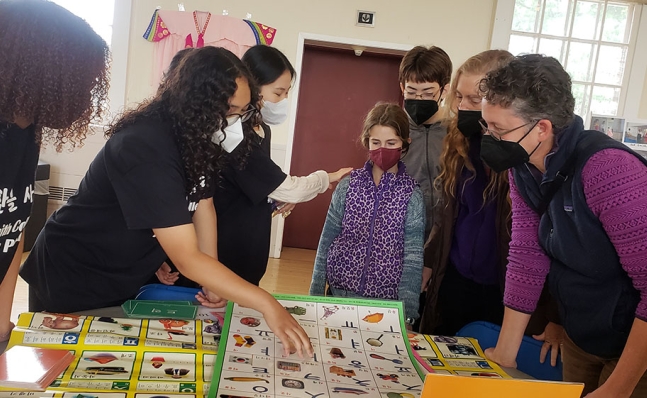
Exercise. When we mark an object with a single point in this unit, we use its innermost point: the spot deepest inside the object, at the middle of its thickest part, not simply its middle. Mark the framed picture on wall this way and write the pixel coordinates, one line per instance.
(614, 127)
(635, 133)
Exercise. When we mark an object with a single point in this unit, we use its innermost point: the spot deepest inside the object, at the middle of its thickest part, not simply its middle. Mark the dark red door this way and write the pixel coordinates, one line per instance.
(337, 90)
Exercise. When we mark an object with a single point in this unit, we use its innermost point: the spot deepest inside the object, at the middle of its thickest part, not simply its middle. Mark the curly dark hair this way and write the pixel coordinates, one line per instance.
(535, 86)
(194, 99)
(53, 70)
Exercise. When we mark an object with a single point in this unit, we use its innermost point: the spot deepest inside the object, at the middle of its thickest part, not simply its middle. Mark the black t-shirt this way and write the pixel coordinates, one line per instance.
(18, 162)
(244, 214)
(99, 249)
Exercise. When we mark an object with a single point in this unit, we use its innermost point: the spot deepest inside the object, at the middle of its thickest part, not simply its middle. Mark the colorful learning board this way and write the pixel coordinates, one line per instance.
(454, 355)
(117, 356)
(359, 345)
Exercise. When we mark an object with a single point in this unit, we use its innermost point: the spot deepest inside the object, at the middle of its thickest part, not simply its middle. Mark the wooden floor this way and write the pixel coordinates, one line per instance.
(290, 275)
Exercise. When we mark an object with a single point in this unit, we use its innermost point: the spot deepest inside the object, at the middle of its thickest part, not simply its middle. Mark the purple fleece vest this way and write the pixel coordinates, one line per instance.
(367, 256)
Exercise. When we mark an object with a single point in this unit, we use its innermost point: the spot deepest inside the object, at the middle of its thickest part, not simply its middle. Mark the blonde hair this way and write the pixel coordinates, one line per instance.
(389, 115)
(455, 154)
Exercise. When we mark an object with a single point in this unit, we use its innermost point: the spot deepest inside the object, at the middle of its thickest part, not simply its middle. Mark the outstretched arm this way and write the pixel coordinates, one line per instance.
(181, 245)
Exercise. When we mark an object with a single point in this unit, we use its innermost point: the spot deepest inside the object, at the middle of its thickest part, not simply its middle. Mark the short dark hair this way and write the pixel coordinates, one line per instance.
(267, 64)
(389, 115)
(535, 87)
(422, 64)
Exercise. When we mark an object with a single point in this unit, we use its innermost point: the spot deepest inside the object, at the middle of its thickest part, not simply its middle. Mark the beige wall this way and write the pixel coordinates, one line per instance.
(460, 27)
(642, 112)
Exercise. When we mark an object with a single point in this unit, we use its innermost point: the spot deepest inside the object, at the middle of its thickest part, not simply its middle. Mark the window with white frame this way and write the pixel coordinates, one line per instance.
(111, 20)
(97, 13)
(593, 39)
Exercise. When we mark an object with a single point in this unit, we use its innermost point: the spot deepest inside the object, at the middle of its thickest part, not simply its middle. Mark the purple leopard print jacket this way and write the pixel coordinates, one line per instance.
(367, 256)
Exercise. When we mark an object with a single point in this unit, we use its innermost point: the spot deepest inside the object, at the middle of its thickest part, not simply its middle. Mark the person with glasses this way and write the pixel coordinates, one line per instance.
(579, 219)
(467, 248)
(50, 92)
(424, 80)
(467, 251)
(251, 187)
(148, 195)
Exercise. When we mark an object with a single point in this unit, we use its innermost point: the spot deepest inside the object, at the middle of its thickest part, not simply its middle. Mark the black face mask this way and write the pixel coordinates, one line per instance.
(468, 123)
(420, 110)
(503, 155)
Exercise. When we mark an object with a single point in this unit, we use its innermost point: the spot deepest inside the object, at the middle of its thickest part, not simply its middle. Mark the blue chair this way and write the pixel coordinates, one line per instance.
(157, 291)
(487, 335)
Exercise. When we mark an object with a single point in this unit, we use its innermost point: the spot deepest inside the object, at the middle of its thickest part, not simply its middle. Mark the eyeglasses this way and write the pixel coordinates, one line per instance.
(423, 96)
(245, 116)
(497, 136)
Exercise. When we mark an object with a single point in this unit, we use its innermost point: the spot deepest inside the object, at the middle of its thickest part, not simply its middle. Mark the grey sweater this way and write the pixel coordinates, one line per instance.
(423, 163)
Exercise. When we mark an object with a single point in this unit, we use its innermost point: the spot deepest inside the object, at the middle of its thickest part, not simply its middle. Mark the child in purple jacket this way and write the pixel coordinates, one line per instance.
(372, 241)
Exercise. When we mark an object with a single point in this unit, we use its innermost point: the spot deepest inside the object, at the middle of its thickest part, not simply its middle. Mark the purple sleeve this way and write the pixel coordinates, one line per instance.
(615, 186)
(528, 264)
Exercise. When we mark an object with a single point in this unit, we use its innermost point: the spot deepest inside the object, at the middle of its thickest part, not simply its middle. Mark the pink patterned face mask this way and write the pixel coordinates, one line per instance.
(385, 158)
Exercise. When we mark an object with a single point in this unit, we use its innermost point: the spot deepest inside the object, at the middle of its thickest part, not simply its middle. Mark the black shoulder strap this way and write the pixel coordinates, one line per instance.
(563, 174)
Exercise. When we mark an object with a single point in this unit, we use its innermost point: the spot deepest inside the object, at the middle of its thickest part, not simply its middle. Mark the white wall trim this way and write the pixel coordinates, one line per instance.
(120, 45)
(327, 41)
(502, 24)
(638, 68)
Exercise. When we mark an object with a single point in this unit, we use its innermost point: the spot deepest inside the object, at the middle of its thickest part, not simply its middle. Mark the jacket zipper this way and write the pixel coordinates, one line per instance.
(362, 282)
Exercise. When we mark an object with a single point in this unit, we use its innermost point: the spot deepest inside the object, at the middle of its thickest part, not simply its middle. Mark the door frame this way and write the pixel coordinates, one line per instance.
(335, 42)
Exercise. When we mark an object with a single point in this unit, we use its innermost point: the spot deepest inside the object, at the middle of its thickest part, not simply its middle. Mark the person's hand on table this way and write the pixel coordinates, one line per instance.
(288, 330)
(165, 275)
(553, 338)
(209, 299)
(494, 355)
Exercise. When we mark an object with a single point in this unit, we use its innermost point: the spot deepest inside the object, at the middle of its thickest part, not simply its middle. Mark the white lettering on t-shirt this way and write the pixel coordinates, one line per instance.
(29, 194)
(193, 206)
(17, 226)
(9, 243)
(7, 200)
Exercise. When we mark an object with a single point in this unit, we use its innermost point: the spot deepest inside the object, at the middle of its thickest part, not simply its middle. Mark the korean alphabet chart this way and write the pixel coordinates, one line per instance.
(125, 357)
(359, 346)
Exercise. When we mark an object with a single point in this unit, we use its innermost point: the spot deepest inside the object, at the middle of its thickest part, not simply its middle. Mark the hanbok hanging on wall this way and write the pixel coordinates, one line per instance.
(171, 31)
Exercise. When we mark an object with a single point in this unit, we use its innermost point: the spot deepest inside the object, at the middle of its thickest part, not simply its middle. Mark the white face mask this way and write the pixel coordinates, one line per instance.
(230, 137)
(275, 112)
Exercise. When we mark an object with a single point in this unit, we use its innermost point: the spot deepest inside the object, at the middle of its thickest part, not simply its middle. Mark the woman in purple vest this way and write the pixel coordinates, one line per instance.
(579, 210)
(372, 241)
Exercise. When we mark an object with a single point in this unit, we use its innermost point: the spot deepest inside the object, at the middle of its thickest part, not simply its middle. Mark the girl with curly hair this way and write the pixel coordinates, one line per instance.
(466, 250)
(253, 188)
(148, 195)
(53, 82)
